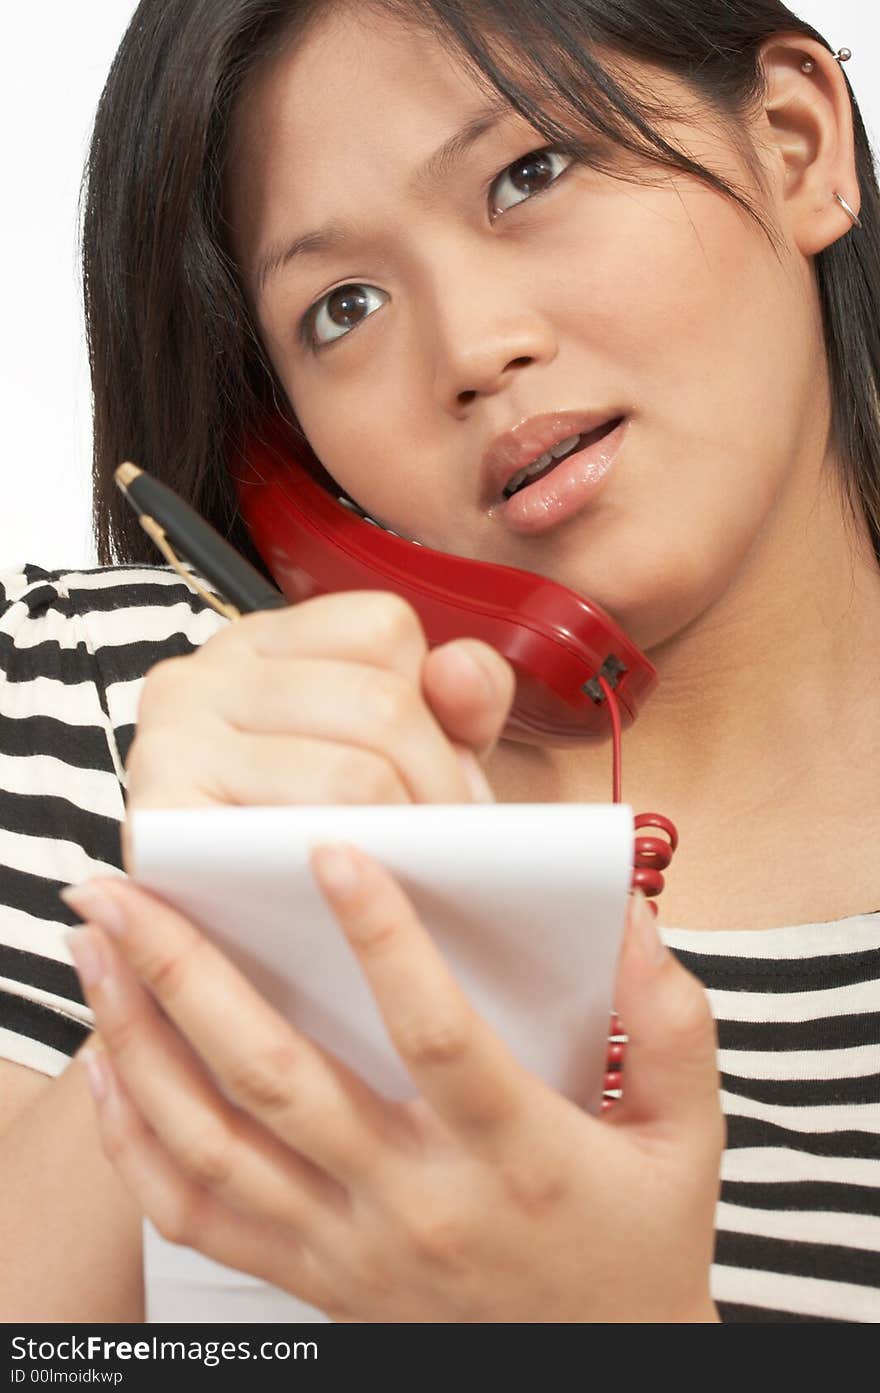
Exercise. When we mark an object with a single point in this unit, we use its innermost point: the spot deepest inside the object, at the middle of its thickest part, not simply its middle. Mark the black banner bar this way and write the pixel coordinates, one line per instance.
(270, 1356)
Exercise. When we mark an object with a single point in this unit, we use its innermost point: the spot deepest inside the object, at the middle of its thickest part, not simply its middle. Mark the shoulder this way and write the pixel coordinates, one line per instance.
(75, 646)
(111, 602)
(106, 626)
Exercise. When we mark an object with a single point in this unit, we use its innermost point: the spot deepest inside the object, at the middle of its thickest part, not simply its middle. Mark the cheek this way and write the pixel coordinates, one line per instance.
(680, 306)
(337, 438)
(699, 329)
(352, 424)
(361, 426)
(359, 447)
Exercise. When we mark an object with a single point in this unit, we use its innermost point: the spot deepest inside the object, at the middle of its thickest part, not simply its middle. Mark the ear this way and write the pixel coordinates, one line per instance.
(807, 132)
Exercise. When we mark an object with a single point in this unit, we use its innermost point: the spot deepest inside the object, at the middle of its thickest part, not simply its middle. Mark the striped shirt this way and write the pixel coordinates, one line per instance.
(797, 1008)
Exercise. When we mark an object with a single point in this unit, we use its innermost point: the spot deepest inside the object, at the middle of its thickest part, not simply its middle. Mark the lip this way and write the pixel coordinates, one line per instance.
(563, 492)
(512, 451)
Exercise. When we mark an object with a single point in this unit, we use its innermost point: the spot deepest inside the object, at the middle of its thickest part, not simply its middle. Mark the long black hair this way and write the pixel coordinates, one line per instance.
(177, 365)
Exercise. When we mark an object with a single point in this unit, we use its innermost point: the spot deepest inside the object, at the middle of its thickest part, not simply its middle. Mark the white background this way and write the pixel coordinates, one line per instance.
(55, 58)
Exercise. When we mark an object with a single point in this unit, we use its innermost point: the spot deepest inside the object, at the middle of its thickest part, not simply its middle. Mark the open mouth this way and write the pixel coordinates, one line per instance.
(548, 462)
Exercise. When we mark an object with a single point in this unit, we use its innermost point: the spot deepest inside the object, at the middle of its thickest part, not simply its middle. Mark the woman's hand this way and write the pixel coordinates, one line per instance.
(491, 1198)
(334, 700)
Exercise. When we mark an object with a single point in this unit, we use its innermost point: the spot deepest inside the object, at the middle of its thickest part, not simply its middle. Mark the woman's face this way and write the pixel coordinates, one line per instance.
(492, 293)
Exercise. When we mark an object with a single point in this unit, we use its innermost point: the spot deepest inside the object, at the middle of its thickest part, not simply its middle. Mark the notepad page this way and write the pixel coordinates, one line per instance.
(526, 903)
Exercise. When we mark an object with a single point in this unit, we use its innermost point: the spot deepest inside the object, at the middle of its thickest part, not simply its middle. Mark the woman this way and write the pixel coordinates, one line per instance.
(671, 224)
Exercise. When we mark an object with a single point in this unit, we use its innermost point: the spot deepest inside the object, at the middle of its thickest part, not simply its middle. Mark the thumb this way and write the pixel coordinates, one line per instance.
(670, 1074)
(469, 687)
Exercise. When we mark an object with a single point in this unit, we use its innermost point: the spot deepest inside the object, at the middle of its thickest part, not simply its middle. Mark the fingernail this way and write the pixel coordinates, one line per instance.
(96, 906)
(337, 870)
(85, 949)
(94, 1060)
(478, 784)
(646, 931)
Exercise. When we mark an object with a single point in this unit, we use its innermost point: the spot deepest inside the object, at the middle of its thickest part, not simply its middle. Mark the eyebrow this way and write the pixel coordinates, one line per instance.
(436, 168)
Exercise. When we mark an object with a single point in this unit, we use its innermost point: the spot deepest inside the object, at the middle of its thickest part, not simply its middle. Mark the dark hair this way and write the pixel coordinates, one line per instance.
(176, 361)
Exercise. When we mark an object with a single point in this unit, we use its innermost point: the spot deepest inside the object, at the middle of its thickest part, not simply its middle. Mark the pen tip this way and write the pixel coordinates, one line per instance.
(126, 474)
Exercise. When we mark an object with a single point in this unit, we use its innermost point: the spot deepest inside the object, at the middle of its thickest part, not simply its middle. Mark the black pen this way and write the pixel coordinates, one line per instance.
(171, 522)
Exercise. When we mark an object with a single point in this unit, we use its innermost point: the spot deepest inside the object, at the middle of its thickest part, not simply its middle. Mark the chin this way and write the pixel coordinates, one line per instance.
(651, 601)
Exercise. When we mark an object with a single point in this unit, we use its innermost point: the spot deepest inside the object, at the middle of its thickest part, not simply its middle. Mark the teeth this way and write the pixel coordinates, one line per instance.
(564, 446)
(538, 465)
(556, 452)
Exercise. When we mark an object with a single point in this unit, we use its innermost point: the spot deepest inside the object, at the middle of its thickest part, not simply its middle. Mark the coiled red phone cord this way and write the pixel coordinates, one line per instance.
(652, 856)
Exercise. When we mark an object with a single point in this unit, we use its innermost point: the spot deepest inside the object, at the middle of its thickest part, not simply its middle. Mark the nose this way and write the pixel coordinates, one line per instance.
(485, 329)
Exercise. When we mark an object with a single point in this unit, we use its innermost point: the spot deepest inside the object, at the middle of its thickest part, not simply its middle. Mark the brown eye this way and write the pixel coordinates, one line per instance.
(345, 307)
(342, 310)
(531, 175)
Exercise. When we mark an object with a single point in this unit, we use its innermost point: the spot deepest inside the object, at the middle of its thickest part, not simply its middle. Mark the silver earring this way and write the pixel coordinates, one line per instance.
(842, 55)
(857, 222)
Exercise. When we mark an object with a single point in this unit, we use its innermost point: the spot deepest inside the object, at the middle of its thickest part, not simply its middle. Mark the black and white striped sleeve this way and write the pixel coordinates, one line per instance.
(74, 649)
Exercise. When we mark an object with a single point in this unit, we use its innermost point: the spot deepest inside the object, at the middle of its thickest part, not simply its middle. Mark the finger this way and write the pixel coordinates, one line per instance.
(302, 1095)
(214, 1144)
(182, 1211)
(460, 1066)
(375, 627)
(373, 709)
(376, 713)
(470, 689)
(671, 1072)
(177, 766)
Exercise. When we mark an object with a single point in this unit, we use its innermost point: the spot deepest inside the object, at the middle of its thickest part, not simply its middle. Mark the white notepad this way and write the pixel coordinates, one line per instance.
(525, 901)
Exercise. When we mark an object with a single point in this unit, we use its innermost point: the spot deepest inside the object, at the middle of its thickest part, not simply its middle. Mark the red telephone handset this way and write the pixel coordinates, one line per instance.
(557, 642)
